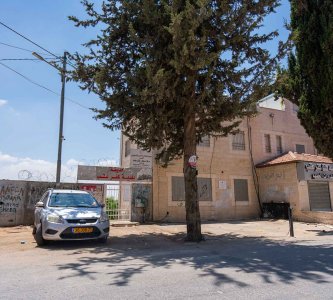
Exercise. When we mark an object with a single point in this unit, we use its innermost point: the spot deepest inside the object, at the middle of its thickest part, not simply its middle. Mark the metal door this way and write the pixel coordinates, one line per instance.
(319, 196)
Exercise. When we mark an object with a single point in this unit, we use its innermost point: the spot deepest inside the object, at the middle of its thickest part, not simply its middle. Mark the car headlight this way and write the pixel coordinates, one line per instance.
(55, 219)
(104, 217)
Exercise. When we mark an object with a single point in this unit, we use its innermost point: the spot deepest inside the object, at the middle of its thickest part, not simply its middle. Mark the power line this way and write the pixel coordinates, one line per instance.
(14, 59)
(20, 48)
(42, 86)
(29, 40)
(21, 35)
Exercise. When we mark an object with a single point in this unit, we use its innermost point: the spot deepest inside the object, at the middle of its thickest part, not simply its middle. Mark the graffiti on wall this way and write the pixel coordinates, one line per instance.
(141, 202)
(274, 175)
(10, 199)
(18, 198)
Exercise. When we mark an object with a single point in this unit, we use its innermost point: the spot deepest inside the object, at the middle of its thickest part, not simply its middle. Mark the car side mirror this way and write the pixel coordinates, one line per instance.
(102, 205)
(39, 204)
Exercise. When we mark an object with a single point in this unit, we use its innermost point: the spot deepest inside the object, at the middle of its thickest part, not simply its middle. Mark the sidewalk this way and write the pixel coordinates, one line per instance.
(20, 237)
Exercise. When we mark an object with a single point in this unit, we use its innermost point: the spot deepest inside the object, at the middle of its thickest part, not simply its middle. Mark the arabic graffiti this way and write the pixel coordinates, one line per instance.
(10, 198)
(274, 175)
(318, 171)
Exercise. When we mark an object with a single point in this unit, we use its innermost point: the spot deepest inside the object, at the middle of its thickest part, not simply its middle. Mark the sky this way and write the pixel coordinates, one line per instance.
(29, 114)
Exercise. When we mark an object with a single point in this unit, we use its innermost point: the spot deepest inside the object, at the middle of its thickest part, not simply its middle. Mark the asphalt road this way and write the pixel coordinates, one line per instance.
(246, 260)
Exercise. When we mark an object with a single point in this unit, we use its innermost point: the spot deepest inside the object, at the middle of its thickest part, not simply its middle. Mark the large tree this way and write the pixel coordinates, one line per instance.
(308, 81)
(172, 72)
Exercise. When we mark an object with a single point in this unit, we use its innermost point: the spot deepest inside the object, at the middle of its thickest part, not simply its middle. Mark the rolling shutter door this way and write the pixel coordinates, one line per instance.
(319, 196)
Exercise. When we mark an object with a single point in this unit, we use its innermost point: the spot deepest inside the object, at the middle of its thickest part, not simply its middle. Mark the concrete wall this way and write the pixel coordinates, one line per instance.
(314, 217)
(18, 199)
(279, 183)
(141, 208)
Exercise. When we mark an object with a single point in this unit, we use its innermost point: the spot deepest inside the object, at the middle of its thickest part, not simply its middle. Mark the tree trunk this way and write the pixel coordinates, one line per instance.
(190, 176)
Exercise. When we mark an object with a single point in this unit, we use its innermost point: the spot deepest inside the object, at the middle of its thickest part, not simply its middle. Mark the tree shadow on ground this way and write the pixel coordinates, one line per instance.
(322, 232)
(124, 257)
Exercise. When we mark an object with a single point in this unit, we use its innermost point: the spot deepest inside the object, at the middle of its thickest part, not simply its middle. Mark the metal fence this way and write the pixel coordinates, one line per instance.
(117, 209)
(119, 214)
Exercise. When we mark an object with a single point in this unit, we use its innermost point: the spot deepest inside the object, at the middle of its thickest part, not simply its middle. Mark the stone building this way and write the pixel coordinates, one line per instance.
(230, 185)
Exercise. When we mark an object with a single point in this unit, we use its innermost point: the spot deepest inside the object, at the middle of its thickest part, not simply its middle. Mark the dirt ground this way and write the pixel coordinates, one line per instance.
(19, 238)
(237, 260)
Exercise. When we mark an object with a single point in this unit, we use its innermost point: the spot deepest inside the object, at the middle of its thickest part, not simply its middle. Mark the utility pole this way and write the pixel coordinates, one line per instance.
(62, 105)
(61, 125)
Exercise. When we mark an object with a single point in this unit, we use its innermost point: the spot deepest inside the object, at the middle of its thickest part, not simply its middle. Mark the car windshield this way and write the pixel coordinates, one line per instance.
(72, 200)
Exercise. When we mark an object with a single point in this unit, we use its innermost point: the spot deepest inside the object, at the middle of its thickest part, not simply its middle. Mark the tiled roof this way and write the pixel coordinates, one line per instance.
(291, 157)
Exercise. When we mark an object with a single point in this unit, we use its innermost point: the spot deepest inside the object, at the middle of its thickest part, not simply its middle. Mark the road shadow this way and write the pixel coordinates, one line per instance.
(124, 257)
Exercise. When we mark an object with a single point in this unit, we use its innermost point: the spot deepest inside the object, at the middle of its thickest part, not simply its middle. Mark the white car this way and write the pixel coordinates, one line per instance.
(69, 215)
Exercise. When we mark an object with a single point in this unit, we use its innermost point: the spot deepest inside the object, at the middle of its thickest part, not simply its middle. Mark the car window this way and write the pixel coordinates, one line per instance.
(72, 200)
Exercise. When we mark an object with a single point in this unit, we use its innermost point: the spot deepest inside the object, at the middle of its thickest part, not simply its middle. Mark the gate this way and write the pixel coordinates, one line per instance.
(128, 194)
(118, 202)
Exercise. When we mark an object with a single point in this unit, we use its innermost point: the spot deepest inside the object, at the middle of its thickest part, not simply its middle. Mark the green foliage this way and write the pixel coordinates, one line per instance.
(308, 80)
(151, 57)
(111, 207)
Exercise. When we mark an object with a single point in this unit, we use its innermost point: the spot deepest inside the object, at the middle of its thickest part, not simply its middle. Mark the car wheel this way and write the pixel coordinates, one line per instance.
(39, 236)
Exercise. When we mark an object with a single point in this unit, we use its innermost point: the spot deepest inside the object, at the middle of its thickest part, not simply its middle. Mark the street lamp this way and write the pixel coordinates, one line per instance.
(62, 104)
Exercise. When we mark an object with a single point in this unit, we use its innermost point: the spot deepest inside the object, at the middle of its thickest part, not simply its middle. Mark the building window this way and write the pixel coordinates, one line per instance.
(300, 148)
(241, 190)
(279, 144)
(204, 189)
(238, 141)
(205, 141)
(127, 148)
(268, 147)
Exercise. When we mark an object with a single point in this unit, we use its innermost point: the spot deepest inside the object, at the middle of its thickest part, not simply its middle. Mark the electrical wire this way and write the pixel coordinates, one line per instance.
(43, 87)
(21, 35)
(23, 49)
(18, 59)
(29, 40)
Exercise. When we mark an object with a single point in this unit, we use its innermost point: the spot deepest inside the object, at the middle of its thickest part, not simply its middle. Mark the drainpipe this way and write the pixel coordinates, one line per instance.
(254, 172)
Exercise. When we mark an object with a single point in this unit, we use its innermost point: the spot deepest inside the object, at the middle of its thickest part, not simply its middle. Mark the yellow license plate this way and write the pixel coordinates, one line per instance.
(82, 230)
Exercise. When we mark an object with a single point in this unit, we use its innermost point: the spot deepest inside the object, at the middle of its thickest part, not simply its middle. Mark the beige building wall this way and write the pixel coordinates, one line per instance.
(279, 183)
(221, 163)
(282, 123)
(124, 158)
(305, 214)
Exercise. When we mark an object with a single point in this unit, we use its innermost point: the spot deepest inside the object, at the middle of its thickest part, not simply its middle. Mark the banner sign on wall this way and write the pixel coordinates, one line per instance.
(113, 173)
(314, 171)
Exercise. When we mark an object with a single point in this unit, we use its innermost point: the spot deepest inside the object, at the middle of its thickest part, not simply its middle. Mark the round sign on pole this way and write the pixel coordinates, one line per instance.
(192, 161)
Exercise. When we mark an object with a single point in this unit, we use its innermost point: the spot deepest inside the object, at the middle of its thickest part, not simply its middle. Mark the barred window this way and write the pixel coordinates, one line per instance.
(279, 144)
(238, 141)
(205, 141)
(268, 147)
(204, 189)
(241, 190)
